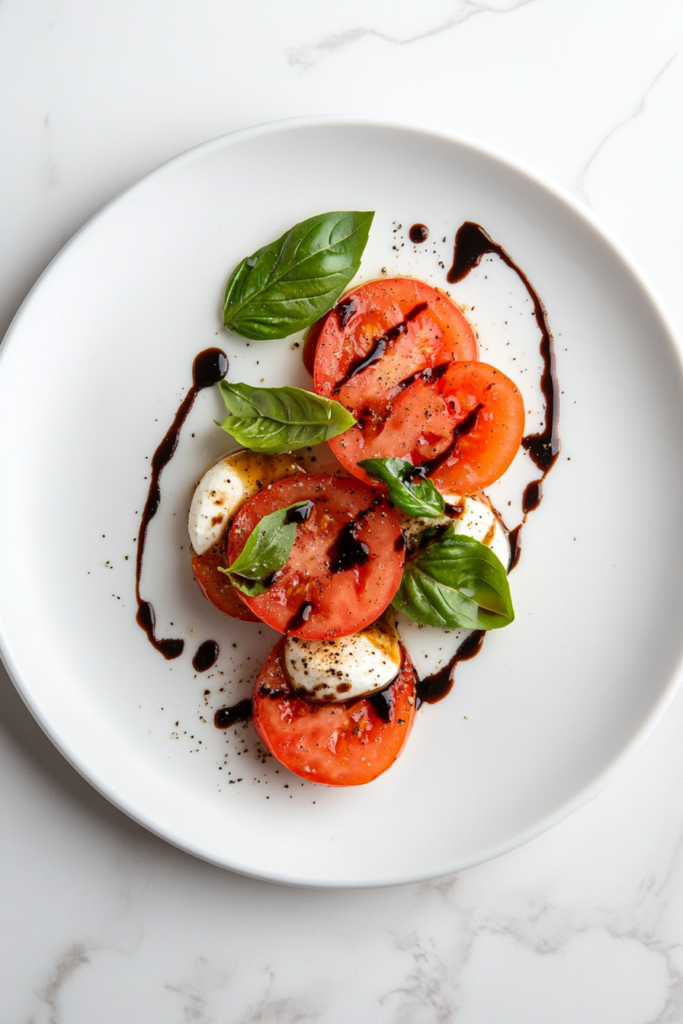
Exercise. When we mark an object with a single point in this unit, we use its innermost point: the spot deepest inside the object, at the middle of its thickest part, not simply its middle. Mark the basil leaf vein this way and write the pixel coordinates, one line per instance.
(416, 498)
(274, 420)
(454, 581)
(268, 547)
(291, 283)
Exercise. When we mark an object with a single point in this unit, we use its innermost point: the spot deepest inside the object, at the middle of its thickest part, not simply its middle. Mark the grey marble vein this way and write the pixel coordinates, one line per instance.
(68, 963)
(638, 111)
(308, 56)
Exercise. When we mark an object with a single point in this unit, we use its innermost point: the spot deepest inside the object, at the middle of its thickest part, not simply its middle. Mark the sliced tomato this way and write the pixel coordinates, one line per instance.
(477, 430)
(346, 562)
(216, 586)
(383, 342)
(335, 744)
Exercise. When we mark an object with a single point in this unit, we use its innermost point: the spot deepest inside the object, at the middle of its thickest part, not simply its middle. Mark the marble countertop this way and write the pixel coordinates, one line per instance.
(105, 923)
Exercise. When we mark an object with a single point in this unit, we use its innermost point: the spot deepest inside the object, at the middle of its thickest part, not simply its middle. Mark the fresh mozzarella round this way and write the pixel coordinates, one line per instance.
(470, 517)
(344, 669)
(225, 487)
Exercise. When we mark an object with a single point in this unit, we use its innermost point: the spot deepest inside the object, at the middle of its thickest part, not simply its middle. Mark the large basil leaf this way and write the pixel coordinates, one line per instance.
(417, 498)
(454, 581)
(290, 283)
(273, 420)
(268, 547)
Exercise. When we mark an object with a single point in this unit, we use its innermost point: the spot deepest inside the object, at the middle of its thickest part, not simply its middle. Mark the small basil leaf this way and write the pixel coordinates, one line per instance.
(454, 581)
(268, 547)
(419, 498)
(292, 282)
(274, 420)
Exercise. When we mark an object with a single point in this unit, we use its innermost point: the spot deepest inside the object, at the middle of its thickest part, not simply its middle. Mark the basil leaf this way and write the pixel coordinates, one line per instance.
(274, 420)
(268, 547)
(292, 282)
(454, 581)
(419, 498)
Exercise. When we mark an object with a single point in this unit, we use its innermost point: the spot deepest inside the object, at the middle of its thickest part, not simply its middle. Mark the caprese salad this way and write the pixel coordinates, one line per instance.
(419, 428)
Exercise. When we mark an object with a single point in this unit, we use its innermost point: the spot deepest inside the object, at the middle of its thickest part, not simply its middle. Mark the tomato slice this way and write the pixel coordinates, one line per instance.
(346, 562)
(380, 343)
(335, 744)
(475, 432)
(216, 586)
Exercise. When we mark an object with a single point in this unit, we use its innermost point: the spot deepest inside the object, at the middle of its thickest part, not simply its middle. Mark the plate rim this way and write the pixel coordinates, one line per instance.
(649, 722)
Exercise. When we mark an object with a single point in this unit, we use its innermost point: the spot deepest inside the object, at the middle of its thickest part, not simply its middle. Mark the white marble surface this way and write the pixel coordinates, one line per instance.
(103, 923)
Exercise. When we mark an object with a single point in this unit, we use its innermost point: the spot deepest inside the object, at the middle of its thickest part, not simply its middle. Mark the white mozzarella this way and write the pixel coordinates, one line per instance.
(225, 487)
(344, 669)
(473, 519)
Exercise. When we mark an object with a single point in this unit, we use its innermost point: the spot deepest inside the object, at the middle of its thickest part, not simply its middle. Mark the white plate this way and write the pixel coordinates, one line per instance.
(92, 371)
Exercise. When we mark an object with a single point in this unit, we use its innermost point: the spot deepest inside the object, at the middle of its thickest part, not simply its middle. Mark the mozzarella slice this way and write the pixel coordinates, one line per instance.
(225, 487)
(470, 517)
(343, 669)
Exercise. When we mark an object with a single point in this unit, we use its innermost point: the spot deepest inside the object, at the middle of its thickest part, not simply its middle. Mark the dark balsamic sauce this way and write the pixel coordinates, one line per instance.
(380, 346)
(348, 551)
(300, 617)
(418, 233)
(515, 539)
(299, 515)
(533, 494)
(206, 656)
(345, 310)
(434, 688)
(240, 712)
(382, 702)
(425, 469)
(430, 375)
(208, 368)
(471, 244)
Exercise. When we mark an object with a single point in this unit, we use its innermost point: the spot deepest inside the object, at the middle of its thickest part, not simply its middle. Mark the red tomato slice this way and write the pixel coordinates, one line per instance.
(346, 562)
(335, 744)
(379, 343)
(476, 432)
(216, 586)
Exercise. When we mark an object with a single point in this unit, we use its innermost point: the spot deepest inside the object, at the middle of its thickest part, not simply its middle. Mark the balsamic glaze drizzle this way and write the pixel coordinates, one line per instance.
(380, 346)
(431, 689)
(240, 712)
(299, 515)
(471, 244)
(382, 702)
(206, 656)
(425, 469)
(348, 551)
(208, 368)
(418, 233)
(301, 616)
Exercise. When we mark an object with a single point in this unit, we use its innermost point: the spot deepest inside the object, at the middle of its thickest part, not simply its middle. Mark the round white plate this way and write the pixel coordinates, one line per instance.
(91, 374)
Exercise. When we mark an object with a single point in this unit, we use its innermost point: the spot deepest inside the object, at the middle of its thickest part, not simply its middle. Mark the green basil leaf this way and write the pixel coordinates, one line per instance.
(454, 581)
(268, 547)
(274, 420)
(292, 282)
(419, 498)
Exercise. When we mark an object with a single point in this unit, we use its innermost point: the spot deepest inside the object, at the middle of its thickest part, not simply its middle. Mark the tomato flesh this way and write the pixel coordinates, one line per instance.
(320, 593)
(336, 744)
(216, 586)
